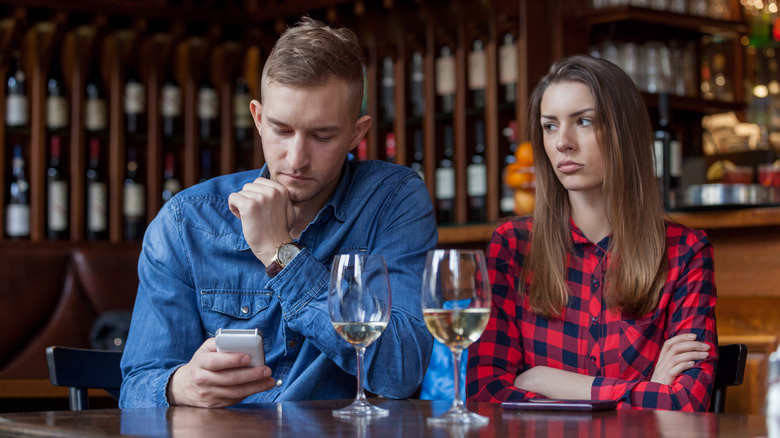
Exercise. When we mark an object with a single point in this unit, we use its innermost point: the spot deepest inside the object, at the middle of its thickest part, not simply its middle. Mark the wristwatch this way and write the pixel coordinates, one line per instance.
(284, 254)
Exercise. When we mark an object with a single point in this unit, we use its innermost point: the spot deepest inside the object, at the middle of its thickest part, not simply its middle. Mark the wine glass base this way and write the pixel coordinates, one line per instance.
(458, 417)
(360, 409)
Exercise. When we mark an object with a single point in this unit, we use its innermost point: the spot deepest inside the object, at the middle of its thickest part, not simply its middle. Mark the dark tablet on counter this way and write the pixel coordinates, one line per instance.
(544, 404)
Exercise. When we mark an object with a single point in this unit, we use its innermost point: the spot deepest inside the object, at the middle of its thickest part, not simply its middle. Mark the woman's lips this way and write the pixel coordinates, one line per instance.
(569, 166)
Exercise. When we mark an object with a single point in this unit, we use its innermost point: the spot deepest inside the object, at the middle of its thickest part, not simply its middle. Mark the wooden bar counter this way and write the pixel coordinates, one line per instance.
(407, 419)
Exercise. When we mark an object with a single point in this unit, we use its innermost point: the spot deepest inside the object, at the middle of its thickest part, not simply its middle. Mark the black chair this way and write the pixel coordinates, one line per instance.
(81, 369)
(729, 372)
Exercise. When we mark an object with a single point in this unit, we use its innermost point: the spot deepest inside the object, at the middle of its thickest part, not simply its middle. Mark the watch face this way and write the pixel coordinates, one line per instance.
(286, 253)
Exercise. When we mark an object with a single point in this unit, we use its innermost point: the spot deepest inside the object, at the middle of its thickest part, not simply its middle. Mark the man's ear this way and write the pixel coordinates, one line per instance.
(362, 126)
(256, 108)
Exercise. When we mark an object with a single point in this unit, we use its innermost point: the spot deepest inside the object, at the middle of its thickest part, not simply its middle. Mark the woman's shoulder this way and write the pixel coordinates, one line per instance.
(681, 236)
(515, 228)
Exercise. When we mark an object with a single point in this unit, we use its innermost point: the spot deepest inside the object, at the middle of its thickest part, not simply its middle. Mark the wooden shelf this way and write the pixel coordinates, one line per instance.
(707, 220)
(691, 23)
(737, 218)
(695, 104)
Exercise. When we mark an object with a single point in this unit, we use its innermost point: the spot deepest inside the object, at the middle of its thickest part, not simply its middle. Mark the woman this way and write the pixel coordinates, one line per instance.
(597, 296)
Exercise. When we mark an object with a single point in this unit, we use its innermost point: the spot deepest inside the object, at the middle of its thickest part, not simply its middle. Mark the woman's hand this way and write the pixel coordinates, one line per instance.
(677, 355)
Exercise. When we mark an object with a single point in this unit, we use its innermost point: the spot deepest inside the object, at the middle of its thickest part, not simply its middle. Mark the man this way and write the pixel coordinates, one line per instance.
(266, 265)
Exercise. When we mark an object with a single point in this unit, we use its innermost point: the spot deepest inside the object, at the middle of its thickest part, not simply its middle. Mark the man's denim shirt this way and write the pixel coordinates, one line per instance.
(197, 274)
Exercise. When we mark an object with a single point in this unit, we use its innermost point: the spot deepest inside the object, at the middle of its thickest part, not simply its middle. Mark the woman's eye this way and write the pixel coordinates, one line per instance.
(548, 126)
(586, 122)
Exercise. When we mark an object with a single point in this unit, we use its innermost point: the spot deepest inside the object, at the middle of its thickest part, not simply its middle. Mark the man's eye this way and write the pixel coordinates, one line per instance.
(281, 132)
(322, 139)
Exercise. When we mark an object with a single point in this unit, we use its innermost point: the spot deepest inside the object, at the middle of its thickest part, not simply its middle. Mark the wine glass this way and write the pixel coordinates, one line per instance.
(359, 305)
(456, 308)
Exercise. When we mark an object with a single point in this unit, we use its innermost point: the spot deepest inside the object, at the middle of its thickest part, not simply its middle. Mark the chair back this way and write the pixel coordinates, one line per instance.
(81, 369)
(729, 372)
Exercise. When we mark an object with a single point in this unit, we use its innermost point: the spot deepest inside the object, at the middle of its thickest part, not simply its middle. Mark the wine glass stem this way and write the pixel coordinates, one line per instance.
(361, 396)
(457, 402)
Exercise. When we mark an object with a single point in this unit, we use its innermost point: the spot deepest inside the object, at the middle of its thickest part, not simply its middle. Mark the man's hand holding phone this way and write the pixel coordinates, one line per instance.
(214, 379)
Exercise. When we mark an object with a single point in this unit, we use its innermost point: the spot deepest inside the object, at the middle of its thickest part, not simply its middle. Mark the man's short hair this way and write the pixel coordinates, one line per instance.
(312, 53)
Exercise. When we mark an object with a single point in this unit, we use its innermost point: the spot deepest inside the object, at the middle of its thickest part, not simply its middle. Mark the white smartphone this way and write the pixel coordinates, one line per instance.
(247, 341)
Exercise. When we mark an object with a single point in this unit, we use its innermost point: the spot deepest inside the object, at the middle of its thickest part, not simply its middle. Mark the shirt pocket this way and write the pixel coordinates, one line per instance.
(641, 340)
(234, 308)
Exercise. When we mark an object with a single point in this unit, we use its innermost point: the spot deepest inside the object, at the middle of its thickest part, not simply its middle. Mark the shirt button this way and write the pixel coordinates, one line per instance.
(245, 310)
(293, 343)
(594, 320)
(593, 359)
(595, 283)
(279, 382)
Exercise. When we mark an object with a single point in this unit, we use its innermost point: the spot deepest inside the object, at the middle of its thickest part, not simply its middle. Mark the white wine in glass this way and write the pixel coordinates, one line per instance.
(359, 304)
(456, 308)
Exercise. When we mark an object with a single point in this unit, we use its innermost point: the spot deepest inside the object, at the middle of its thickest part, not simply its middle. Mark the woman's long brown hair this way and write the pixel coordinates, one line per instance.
(637, 265)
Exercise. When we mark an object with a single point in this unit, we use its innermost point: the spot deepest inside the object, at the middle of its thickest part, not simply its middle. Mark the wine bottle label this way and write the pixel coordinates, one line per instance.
(507, 64)
(476, 175)
(97, 207)
(675, 158)
(96, 117)
(477, 70)
(58, 205)
(207, 103)
(445, 183)
(507, 204)
(445, 76)
(135, 200)
(134, 98)
(56, 112)
(17, 220)
(172, 185)
(170, 101)
(242, 118)
(16, 110)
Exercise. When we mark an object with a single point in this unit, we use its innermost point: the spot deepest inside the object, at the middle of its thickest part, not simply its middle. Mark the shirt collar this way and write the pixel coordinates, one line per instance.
(578, 237)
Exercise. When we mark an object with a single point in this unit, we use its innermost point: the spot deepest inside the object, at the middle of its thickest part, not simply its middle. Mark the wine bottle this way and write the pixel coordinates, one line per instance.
(242, 118)
(416, 89)
(134, 205)
(507, 203)
(445, 80)
(668, 152)
(417, 159)
(507, 68)
(477, 73)
(208, 108)
(206, 172)
(57, 192)
(17, 219)
(476, 176)
(170, 107)
(16, 103)
(95, 107)
(362, 150)
(390, 147)
(56, 99)
(171, 184)
(388, 89)
(134, 103)
(97, 195)
(445, 181)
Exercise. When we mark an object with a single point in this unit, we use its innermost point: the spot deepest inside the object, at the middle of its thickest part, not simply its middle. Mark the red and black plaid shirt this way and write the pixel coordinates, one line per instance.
(619, 350)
